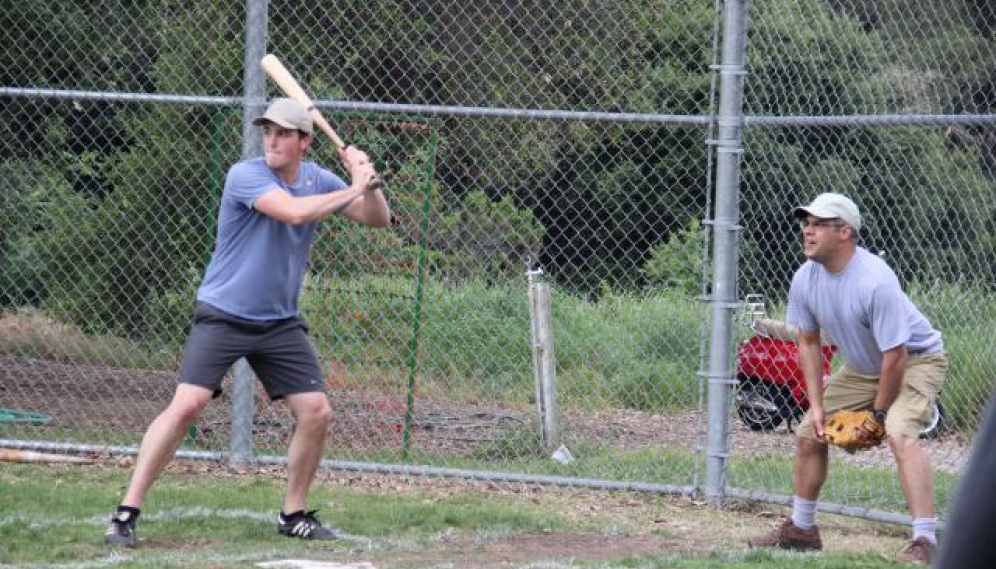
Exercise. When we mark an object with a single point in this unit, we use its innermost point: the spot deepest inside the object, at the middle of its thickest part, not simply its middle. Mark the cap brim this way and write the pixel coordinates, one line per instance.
(803, 211)
(264, 120)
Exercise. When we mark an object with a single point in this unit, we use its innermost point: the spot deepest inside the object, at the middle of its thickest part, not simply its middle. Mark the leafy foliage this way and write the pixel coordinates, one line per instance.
(486, 239)
(677, 264)
(107, 206)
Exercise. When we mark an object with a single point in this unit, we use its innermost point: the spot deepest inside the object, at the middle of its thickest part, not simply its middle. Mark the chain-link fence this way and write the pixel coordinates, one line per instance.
(525, 144)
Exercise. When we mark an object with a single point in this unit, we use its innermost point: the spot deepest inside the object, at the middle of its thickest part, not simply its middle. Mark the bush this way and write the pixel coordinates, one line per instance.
(484, 239)
(25, 192)
(677, 264)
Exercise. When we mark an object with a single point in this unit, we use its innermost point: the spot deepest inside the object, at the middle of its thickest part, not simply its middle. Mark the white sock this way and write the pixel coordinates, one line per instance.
(803, 513)
(925, 527)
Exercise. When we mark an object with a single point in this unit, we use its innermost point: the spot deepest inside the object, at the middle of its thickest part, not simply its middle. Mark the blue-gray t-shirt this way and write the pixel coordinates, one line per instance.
(258, 263)
(862, 308)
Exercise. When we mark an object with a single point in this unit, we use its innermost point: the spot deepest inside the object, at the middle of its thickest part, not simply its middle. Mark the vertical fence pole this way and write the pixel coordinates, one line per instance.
(423, 248)
(254, 90)
(544, 362)
(244, 382)
(723, 297)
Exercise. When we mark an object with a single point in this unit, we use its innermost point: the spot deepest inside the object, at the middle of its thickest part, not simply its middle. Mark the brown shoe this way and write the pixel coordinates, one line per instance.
(788, 536)
(920, 551)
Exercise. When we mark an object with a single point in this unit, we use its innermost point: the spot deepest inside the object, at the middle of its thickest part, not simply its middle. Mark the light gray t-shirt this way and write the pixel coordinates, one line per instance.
(258, 263)
(862, 308)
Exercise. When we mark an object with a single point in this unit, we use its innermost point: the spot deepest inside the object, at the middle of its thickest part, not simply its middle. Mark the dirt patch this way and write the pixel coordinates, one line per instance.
(527, 549)
(629, 525)
(620, 525)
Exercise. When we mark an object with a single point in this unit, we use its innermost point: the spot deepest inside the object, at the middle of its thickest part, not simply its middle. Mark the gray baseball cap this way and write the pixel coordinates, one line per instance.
(287, 113)
(830, 206)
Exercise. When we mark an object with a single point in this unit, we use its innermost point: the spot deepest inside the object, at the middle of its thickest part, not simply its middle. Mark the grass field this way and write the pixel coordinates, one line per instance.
(211, 516)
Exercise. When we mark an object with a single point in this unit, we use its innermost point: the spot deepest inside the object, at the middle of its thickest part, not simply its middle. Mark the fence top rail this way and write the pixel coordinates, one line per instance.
(118, 96)
(389, 108)
(868, 120)
(510, 113)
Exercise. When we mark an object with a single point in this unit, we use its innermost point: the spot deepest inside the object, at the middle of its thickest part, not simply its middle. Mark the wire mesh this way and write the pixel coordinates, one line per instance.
(571, 137)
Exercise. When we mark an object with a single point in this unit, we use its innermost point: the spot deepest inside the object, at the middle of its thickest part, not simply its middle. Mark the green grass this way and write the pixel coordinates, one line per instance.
(871, 487)
(30, 333)
(64, 511)
(204, 516)
(635, 351)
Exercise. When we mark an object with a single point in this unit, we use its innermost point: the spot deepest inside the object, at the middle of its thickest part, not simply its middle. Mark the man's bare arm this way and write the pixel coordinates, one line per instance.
(891, 377)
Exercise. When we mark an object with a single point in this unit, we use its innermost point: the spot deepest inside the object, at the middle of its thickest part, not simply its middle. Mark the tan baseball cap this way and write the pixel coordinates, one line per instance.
(287, 113)
(830, 206)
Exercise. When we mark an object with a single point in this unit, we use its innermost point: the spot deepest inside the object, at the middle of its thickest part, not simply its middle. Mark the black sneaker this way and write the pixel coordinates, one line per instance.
(121, 530)
(303, 524)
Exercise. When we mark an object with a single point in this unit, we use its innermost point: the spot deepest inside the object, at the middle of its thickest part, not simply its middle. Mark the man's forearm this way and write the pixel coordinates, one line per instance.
(891, 378)
(376, 212)
(319, 207)
(281, 206)
(811, 363)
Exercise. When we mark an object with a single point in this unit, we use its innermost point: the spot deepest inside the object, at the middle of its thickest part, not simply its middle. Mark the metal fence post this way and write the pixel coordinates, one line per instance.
(725, 227)
(254, 92)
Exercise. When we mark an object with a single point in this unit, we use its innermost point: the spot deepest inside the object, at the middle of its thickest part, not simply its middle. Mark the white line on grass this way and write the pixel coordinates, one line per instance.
(173, 514)
(177, 514)
(309, 564)
(117, 557)
(180, 559)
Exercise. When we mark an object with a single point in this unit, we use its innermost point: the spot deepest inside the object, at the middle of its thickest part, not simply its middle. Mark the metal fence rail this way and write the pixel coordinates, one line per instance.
(613, 146)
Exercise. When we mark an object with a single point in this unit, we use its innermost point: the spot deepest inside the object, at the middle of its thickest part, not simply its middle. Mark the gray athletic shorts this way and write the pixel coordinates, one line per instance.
(278, 351)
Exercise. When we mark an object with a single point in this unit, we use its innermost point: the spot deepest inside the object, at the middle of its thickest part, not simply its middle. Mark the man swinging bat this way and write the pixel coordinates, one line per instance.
(247, 306)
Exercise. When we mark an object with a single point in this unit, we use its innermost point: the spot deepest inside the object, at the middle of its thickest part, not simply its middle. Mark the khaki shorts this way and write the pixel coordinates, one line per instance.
(913, 409)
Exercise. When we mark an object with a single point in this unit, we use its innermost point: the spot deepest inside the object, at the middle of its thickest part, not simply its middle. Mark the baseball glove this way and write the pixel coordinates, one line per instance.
(854, 430)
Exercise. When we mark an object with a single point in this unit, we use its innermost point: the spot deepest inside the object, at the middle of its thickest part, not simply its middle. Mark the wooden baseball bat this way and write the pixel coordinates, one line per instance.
(283, 78)
(11, 455)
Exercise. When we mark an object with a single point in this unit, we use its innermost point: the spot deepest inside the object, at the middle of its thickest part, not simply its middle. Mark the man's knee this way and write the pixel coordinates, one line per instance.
(188, 402)
(903, 445)
(323, 412)
(312, 408)
(810, 447)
